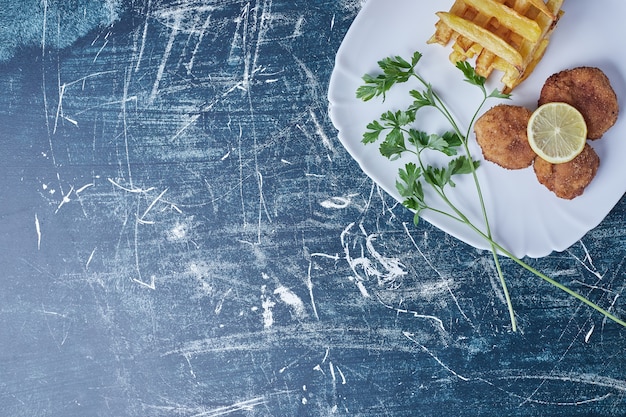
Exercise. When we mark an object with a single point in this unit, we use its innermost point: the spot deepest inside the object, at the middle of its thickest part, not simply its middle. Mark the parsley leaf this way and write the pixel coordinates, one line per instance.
(462, 165)
(393, 145)
(412, 176)
(411, 189)
(395, 70)
(373, 132)
(470, 74)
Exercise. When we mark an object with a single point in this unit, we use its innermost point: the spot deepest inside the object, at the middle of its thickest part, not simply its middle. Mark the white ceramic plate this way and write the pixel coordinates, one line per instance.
(526, 218)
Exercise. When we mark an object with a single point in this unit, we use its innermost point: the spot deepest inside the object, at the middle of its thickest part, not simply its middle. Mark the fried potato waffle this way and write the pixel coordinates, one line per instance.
(510, 36)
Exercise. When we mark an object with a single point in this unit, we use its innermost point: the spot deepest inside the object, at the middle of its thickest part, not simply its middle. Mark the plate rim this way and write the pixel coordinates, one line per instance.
(335, 100)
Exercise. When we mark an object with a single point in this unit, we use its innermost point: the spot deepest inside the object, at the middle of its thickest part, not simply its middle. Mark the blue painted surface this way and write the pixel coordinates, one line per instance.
(183, 235)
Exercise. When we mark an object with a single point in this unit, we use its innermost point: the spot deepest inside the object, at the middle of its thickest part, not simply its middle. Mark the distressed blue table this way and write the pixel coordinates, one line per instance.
(182, 234)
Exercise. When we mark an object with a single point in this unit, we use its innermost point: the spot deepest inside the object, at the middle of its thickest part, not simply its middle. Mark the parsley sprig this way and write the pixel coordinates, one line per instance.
(397, 135)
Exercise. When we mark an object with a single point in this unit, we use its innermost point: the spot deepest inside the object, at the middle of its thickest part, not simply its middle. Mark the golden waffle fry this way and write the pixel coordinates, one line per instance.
(510, 36)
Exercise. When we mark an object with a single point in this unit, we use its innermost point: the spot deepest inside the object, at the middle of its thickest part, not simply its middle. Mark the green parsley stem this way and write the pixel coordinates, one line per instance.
(487, 236)
(462, 218)
(399, 70)
(553, 282)
(446, 113)
(494, 253)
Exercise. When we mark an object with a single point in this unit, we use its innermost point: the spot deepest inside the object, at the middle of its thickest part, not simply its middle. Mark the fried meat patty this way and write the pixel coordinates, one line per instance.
(568, 180)
(501, 134)
(589, 90)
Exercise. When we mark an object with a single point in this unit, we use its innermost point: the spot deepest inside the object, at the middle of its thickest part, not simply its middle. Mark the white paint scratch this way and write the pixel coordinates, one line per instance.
(145, 213)
(194, 118)
(309, 284)
(574, 378)
(38, 231)
(90, 259)
(144, 36)
(205, 26)
(320, 132)
(338, 202)
(587, 261)
(384, 269)
(341, 375)
(132, 189)
(362, 289)
(297, 31)
(334, 257)
(66, 199)
(104, 44)
(246, 405)
(394, 268)
(444, 281)
(151, 285)
(589, 333)
(267, 304)
(191, 371)
(59, 111)
(166, 54)
(292, 300)
(326, 355)
(412, 338)
(220, 305)
(571, 378)
(84, 187)
(415, 314)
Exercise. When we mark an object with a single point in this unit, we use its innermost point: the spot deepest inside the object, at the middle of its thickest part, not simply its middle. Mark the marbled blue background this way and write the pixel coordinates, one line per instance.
(182, 234)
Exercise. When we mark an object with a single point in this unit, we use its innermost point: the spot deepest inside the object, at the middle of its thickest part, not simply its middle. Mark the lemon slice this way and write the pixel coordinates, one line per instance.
(557, 132)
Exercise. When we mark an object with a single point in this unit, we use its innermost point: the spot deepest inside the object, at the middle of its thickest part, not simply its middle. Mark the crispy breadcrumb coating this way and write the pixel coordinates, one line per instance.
(501, 134)
(589, 90)
(568, 180)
